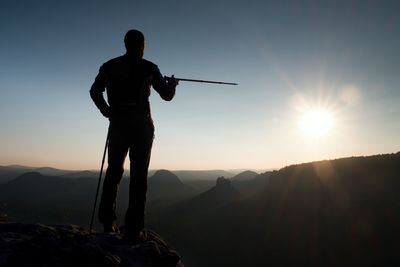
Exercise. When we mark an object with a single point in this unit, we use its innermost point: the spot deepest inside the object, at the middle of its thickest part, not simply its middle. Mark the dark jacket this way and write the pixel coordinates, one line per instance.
(127, 80)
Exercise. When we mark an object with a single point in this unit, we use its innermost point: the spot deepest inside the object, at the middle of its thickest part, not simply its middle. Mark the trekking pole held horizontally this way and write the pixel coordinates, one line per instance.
(99, 182)
(198, 81)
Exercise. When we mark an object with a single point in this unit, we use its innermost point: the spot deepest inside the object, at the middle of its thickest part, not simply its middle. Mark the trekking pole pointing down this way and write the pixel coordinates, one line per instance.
(198, 81)
(98, 184)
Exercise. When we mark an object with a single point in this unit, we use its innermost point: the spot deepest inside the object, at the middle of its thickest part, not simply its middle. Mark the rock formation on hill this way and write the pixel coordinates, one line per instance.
(34, 245)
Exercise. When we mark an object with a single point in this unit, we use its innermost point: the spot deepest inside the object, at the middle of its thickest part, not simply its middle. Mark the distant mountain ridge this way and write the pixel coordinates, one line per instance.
(7, 173)
(202, 174)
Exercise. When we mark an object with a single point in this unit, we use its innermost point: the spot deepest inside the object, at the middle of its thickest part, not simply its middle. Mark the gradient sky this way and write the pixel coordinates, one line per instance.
(287, 56)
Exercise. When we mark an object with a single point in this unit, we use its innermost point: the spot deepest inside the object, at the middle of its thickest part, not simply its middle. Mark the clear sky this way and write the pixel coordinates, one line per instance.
(317, 80)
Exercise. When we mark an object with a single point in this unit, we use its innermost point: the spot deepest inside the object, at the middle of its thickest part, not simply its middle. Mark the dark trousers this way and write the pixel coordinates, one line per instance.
(137, 139)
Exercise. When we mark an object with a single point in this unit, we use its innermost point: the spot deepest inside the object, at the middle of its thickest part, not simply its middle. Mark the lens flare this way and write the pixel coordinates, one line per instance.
(316, 123)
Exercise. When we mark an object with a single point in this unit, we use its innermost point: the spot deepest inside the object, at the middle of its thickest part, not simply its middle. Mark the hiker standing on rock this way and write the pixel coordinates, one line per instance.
(127, 81)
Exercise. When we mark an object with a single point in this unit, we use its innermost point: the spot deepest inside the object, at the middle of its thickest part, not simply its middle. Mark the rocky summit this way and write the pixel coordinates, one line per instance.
(37, 245)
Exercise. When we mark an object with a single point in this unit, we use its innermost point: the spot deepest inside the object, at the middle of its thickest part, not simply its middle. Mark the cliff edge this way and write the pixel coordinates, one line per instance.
(34, 245)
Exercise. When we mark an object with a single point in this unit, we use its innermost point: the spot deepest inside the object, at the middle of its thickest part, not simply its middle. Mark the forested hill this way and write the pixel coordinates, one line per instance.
(343, 212)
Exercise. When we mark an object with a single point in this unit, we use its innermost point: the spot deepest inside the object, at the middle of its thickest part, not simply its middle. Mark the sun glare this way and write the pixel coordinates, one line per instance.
(316, 123)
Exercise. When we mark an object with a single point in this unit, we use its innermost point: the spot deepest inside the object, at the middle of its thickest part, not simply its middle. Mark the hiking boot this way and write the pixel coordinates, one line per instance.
(111, 228)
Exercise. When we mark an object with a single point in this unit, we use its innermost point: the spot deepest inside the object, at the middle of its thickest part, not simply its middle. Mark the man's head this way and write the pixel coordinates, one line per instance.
(134, 42)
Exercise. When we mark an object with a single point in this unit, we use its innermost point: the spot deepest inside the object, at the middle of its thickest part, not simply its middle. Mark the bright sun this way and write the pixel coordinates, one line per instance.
(316, 122)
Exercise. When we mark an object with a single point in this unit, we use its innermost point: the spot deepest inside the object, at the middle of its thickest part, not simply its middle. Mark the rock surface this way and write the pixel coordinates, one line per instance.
(37, 245)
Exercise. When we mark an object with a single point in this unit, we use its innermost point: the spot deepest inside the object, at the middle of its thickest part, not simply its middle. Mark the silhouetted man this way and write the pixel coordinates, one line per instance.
(127, 80)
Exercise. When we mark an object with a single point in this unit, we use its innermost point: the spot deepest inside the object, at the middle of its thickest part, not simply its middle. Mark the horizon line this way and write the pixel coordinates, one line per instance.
(197, 170)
